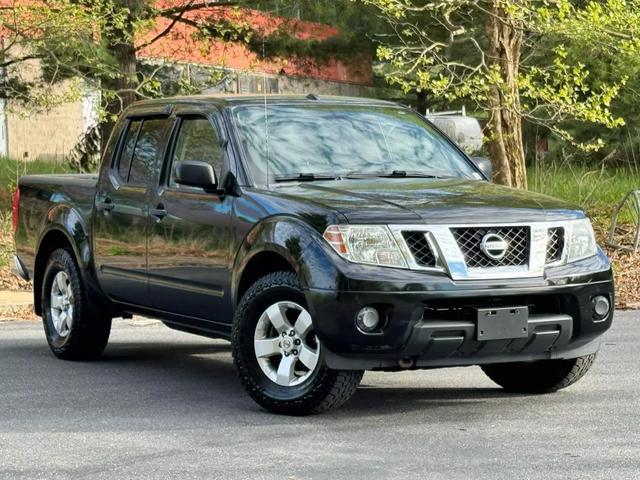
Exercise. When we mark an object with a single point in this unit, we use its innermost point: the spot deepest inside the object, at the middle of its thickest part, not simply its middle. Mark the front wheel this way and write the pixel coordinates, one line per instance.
(278, 355)
(546, 376)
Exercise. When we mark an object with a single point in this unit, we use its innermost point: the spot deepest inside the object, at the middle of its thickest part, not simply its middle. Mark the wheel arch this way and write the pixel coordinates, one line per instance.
(283, 243)
(259, 265)
(52, 240)
(65, 228)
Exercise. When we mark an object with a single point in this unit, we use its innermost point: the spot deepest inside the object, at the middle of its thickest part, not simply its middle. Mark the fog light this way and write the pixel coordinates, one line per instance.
(367, 319)
(601, 306)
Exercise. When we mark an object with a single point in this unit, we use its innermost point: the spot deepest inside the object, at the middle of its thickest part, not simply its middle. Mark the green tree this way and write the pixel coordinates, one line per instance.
(510, 58)
(96, 41)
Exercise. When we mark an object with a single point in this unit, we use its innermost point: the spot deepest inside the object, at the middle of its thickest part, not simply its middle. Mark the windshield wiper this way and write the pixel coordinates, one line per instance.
(409, 174)
(395, 174)
(305, 177)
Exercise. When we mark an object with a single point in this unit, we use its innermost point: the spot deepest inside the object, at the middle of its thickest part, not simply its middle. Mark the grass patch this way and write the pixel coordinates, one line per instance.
(596, 190)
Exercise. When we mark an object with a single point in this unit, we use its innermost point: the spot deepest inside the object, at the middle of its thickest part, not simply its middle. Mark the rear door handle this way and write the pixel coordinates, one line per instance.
(159, 213)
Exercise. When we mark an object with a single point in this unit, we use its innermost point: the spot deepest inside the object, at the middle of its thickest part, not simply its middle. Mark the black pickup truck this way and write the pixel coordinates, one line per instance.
(323, 237)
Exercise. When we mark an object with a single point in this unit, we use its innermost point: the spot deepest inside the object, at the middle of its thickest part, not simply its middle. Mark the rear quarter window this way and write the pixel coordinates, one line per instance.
(149, 146)
(124, 162)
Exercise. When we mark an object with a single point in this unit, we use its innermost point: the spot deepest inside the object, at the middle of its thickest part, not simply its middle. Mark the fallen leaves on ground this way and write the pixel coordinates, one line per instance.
(17, 312)
(626, 270)
(9, 281)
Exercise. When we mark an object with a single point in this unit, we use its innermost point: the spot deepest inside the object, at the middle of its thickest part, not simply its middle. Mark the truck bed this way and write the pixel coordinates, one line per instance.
(66, 197)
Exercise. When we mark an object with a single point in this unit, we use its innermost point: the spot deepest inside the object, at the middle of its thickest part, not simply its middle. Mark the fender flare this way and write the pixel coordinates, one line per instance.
(295, 241)
(68, 221)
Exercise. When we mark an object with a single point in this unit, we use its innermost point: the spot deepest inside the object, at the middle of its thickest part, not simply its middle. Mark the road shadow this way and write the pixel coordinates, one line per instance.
(202, 376)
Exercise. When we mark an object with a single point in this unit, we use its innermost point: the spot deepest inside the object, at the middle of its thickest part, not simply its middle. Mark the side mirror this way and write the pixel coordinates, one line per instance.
(193, 173)
(485, 166)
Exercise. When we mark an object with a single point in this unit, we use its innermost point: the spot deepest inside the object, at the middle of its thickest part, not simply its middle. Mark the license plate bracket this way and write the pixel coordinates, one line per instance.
(502, 323)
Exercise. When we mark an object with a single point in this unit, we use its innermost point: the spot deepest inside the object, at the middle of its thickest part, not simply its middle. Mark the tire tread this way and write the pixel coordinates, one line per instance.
(91, 327)
(539, 377)
(332, 387)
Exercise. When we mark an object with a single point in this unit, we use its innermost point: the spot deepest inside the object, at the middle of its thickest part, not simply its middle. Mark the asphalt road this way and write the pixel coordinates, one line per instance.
(163, 404)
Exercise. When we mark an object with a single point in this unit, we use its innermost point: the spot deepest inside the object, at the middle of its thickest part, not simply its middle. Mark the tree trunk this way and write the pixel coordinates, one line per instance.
(120, 91)
(421, 102)
(505, 36)
(121, 88)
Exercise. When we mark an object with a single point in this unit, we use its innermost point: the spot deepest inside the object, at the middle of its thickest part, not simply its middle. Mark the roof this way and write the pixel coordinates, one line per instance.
(254, 99)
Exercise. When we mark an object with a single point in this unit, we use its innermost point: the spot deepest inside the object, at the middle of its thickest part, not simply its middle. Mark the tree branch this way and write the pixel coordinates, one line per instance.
(13, 61)
(176, 14)
(191, 6)
(163, 33)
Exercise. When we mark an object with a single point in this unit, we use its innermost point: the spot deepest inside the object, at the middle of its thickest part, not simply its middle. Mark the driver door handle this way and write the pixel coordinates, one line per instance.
(106, 205)
(159, 213)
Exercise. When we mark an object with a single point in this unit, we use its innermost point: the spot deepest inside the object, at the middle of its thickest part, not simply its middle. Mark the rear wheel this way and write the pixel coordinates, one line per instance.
(278, 355)
(539, 377)
(75, 329)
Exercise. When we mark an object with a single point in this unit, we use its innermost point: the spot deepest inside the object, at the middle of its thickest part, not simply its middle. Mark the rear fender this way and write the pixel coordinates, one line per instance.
(66, 220)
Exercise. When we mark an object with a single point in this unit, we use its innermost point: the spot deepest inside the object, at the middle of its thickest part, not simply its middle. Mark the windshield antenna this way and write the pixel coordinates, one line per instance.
(266, 111)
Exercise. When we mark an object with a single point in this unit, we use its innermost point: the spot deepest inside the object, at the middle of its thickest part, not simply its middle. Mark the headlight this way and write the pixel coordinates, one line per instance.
(370, 244)
(581, 241)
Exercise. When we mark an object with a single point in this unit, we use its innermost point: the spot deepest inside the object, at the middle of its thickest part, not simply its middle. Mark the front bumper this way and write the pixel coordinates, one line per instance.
(429, 320)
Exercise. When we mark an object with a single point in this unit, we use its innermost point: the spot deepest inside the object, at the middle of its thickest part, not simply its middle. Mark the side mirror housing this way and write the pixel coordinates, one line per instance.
(485, 166)
(194, 173)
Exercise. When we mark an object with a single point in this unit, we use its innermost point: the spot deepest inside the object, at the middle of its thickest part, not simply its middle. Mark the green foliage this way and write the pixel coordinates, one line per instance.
(441, 47)
(590, 187)
(61, 35)
(354, 21)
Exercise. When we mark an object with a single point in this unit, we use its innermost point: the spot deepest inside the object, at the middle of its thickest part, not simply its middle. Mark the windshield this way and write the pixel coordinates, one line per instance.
(335, 141)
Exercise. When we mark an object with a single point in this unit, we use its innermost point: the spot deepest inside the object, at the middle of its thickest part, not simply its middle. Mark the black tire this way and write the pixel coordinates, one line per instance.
(324, 390)
(539, 377)
(88, 334)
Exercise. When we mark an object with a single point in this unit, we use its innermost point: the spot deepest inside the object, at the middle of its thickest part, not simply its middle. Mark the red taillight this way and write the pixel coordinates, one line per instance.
(16, 204)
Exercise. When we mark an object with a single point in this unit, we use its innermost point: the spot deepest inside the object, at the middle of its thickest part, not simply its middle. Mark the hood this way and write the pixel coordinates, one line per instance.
(450, 201)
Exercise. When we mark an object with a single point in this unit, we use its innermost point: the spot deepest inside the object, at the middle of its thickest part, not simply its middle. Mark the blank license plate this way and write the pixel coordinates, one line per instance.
(502, 323)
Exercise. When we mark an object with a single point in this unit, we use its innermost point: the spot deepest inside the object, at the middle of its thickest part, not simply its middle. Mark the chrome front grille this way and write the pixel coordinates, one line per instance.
(555, 244)
(458, 250)
(470, 239)
(420, 248)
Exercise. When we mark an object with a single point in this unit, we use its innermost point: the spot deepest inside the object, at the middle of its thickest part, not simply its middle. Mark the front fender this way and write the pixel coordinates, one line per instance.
(298, 243)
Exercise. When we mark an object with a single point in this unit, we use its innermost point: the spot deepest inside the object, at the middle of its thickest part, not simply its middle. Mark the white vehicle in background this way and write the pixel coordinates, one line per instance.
(465, 131)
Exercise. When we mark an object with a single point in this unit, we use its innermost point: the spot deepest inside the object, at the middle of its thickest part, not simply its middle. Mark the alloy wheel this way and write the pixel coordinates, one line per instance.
(61, 303)
(286, 347)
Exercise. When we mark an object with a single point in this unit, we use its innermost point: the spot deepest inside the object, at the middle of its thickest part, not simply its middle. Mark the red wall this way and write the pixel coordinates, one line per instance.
(183, 45)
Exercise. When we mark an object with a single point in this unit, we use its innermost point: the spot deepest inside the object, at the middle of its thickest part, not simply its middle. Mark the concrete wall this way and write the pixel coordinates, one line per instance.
(50, 129)
(243, 83)
(49, 135)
